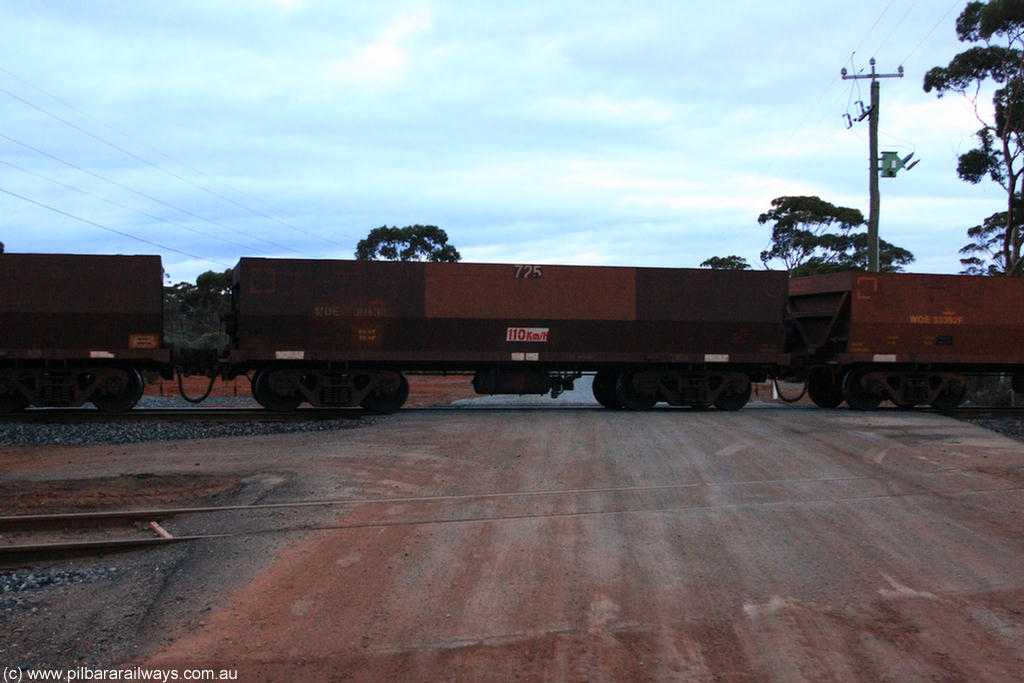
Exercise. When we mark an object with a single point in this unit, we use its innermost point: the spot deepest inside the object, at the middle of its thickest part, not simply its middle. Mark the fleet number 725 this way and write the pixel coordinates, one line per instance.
(523, 272)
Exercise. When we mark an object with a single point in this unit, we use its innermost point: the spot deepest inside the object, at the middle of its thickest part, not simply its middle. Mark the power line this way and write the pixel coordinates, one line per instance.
(810, 111)
(149, 197)
(870, 30)
(109, 229)
(122, 206)
(898, 23)
(928, 35)
(157, 166)
(856, 83)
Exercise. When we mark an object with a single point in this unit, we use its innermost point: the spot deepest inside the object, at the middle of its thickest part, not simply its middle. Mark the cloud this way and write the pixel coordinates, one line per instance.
(386, 59)
(633, 111)
(951, 118)
(536, 131)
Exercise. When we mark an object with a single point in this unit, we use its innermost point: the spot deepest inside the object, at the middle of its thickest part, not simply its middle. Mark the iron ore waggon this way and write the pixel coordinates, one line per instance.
(77, 329)
(342, 333)
(907, 338)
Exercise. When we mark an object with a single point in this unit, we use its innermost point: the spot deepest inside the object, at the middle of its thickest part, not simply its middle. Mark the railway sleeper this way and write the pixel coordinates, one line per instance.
(110, 389)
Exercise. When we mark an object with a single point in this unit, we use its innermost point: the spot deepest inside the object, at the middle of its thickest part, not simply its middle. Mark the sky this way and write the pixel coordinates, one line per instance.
(585, 133)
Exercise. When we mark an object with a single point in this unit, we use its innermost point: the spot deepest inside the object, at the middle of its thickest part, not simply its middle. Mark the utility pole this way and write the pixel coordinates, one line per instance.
(872, 114)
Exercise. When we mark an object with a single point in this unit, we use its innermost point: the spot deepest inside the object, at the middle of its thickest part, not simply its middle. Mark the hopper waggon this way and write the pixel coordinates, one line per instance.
(78, 329)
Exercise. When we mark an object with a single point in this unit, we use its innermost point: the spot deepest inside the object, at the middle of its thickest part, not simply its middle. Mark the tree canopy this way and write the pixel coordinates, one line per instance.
(192, 312)
(411, 243)
(811, 235)
(997, 29)
(731, 262)
(984, 254)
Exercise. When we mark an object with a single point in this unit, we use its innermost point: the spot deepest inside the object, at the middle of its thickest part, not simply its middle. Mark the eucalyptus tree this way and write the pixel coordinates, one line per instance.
(411, 243)
(811, 235)
(731, 262)
(995, 30)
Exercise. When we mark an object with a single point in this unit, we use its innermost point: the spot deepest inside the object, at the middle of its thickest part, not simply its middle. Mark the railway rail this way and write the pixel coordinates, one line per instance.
(982, 411)
(259, 414)
(141, 529)
(44, 537)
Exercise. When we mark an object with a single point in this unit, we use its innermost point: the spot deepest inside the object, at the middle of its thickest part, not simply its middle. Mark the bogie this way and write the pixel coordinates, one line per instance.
(641, 389)
(865, 387)
(111, 389)
(284, 388)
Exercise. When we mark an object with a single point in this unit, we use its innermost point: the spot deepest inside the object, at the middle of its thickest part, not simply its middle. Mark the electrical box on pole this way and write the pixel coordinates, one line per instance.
(891, 163)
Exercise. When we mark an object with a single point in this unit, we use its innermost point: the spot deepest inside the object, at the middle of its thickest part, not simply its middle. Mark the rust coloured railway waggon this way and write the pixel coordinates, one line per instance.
(77, 329)
(908, 338)
(341, 333)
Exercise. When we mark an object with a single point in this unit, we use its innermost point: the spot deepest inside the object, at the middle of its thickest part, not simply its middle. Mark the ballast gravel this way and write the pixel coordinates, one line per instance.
(90, 434)
(93, 433)
(14, 583)
(1010, 426)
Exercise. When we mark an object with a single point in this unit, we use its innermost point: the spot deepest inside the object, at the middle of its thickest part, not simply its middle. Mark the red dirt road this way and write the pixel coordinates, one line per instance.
(771, 544)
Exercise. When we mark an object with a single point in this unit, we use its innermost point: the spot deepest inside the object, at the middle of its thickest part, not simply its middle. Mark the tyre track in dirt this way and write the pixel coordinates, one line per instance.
(766, 545)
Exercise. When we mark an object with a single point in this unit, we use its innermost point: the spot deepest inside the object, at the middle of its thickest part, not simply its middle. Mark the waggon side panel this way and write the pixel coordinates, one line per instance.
(66, 306)
(324, 308)
(738, 313)
(510, 291)
(913, 318)
(447, 314)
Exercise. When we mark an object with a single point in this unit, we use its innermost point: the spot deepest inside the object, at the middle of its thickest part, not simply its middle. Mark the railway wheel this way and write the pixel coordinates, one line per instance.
(824, 389)
(389, 395)
(951, 396)
(605, 392)
(12, 402)
(274, 392)
(118, 391)
(732, 398)
(633, 394)
(858, 394)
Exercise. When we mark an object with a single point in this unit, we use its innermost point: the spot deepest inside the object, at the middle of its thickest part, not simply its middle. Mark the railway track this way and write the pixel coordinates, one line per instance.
(37, 537)
(983, 412)
(30, 538)
(86, 415)
(225, 415)
(246, 414)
